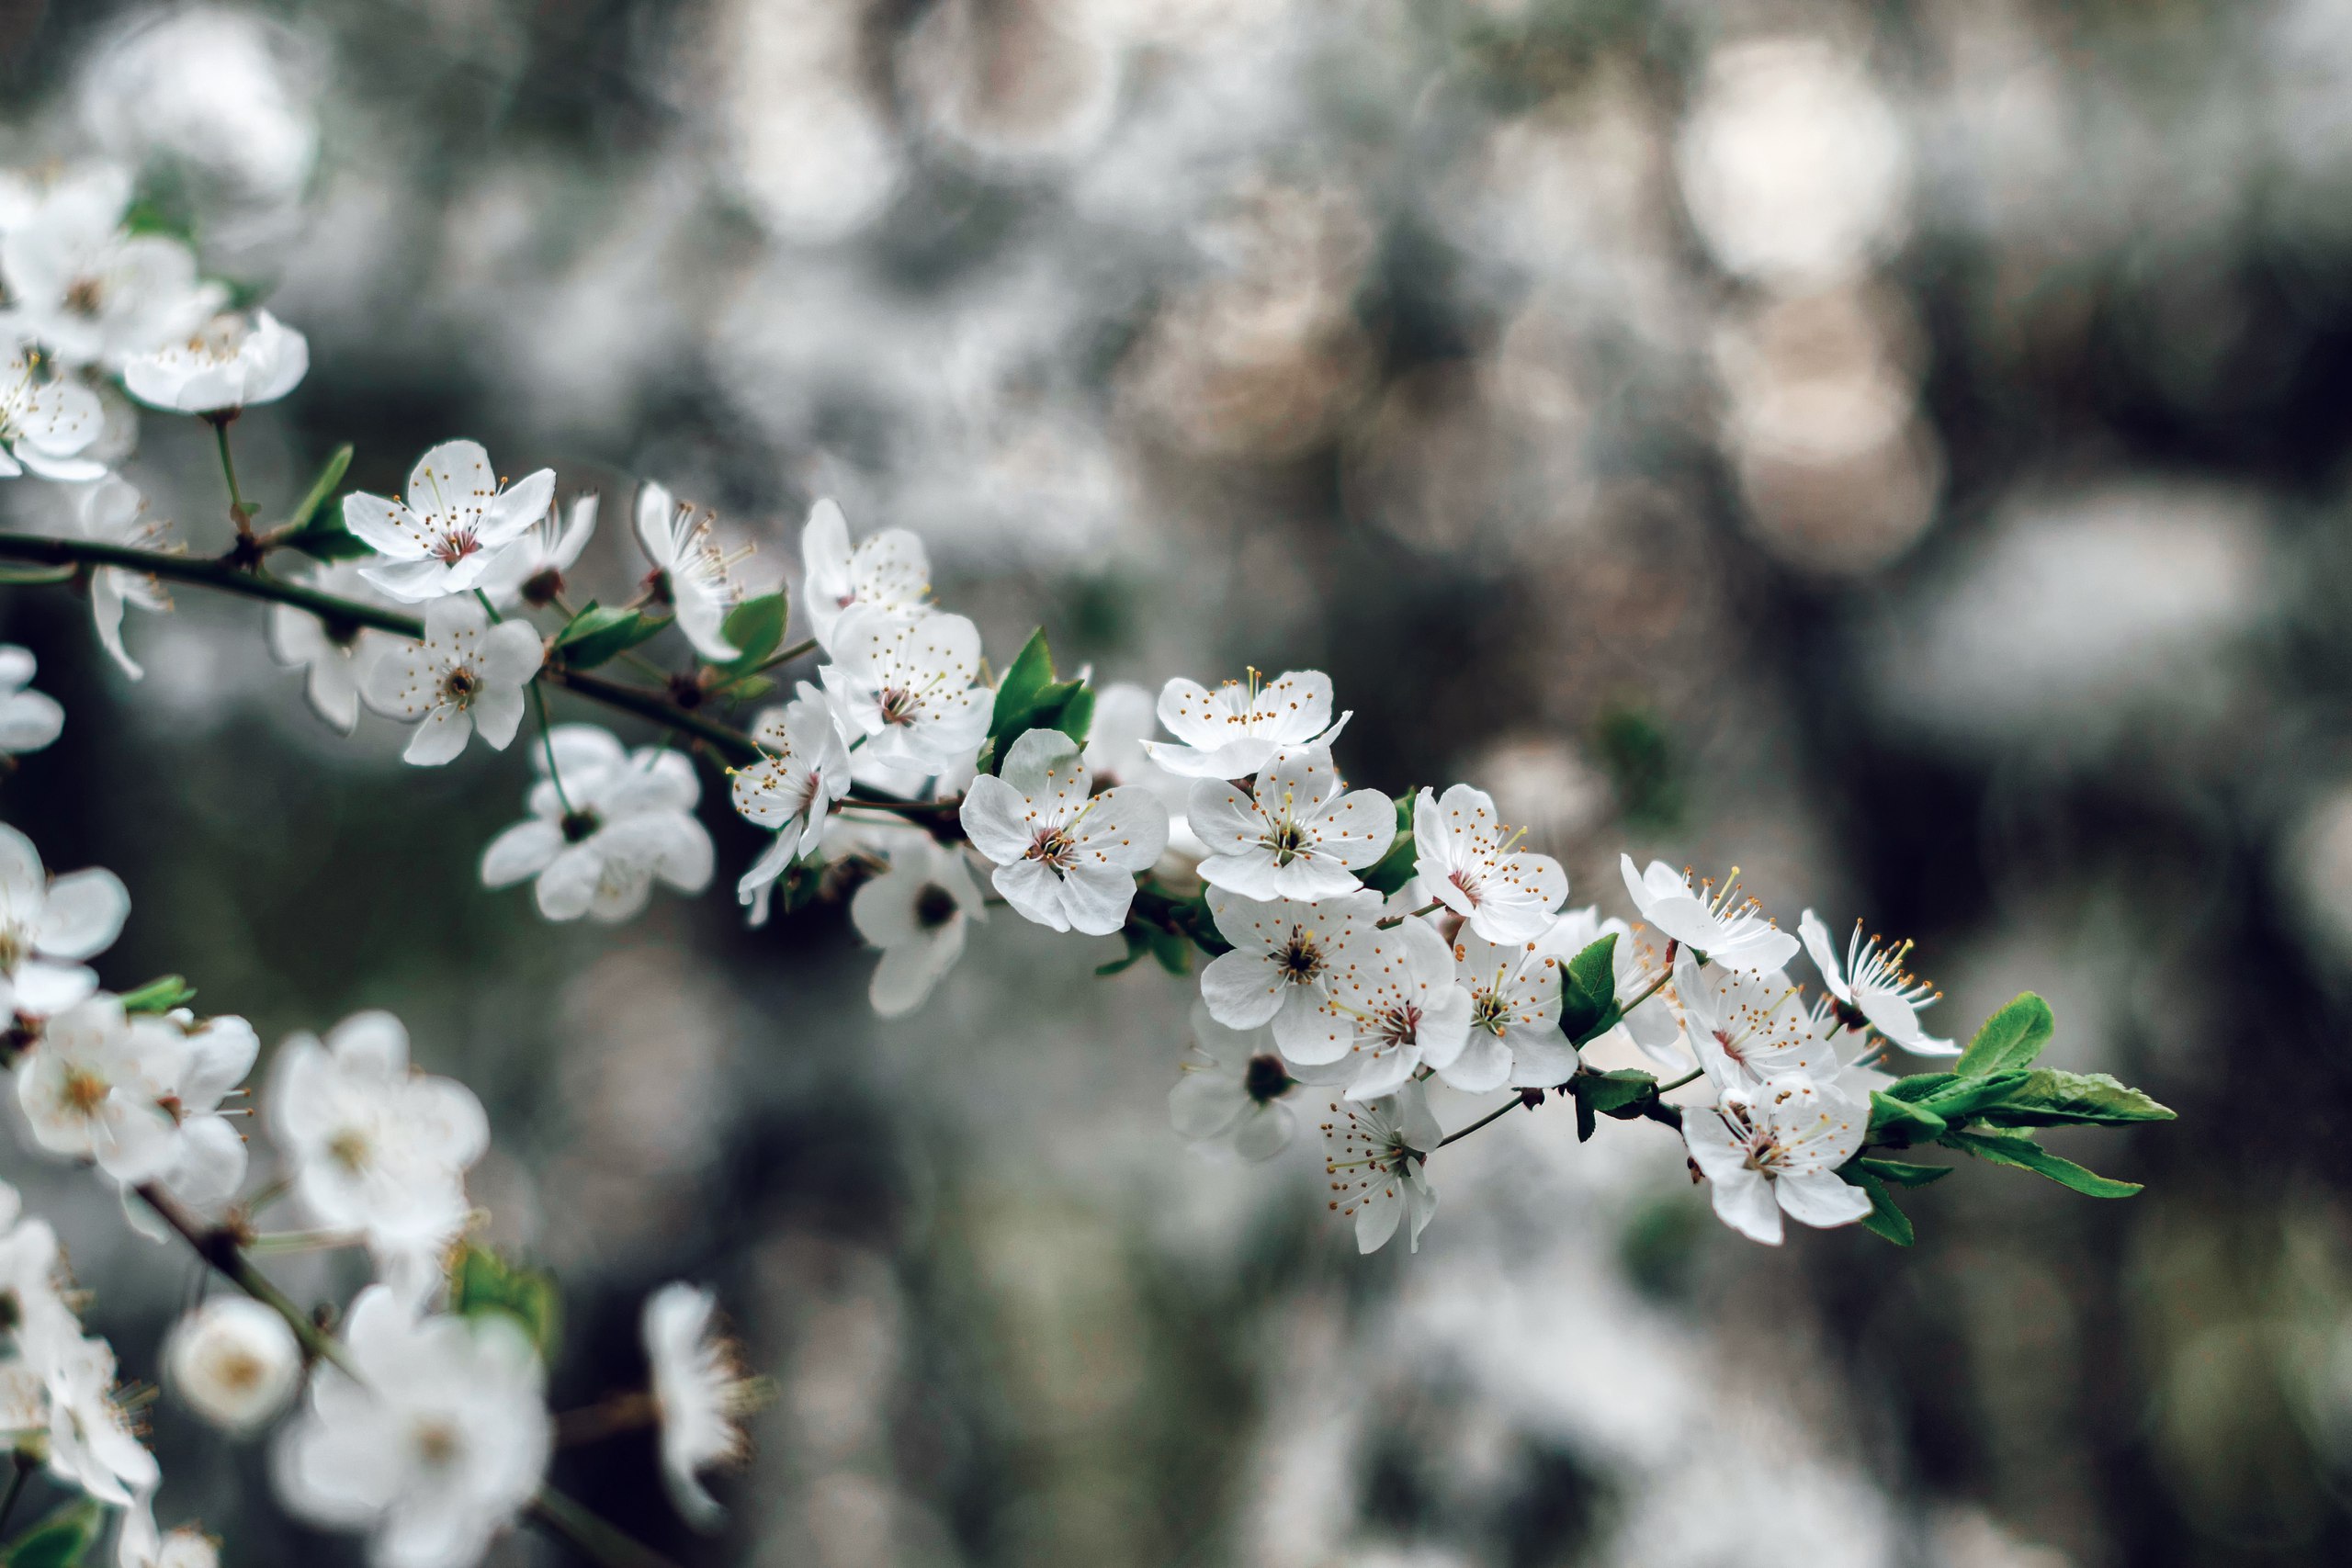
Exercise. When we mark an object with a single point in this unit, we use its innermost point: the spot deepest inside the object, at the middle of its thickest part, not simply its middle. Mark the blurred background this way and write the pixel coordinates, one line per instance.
(1893, 448)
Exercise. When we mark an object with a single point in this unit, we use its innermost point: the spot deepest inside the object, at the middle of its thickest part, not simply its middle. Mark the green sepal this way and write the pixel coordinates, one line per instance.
(2016, 1149)
(1885, 1219)
(1589, 992)
(2048, 1098)
(1397, 865)
(331, 474)
(2009, 1040)
(24, 574)
(1899, 1124)
(60, 1540)
(597, 633)
(1901, 1173)
(160, 995)
(1621, 1093)
(482, 1282)
(756, 628)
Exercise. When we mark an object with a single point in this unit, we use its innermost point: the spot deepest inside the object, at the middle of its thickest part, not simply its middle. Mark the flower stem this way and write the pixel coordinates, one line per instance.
(597, 1541)
(547, 744)
(1392, 922)
(24, 1468)
(1694, 1076)
(239, 512)
(607, 1417)
(1496, 1114)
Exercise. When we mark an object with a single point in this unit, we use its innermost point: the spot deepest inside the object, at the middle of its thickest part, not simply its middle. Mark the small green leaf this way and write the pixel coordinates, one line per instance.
(2014, 1148)
(482, 1282)
(2010, 1039)
(1586, 1124)
(1964, 1097)
(1614, 1092)
(1919, 1087)
(1896, 1123)
(30, 575)
(2049, 1098)
(60, 1540)
(756, 629)
(1017, 695)
(330, 475)
(1903, 1174)
(1884, 1218)
(1396, 867)
(160, 995)
(1588, 993)
(1077, 717)
(597, 633)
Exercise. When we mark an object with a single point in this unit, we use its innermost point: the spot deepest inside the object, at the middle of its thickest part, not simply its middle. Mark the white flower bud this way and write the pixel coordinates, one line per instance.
(234, 1361)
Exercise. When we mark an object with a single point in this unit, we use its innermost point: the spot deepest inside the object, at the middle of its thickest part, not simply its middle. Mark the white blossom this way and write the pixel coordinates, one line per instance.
(1514, 995)
(47, 423)
(140, 1544)
(230, 362)
(1301, 834)
(337, 659)
(235, 1362)
(1874, 986)
(1777, 1149)
(1650, 1021)
(467, 675)
(32, 1304)
(456, 519)
(702, 1392)
(1394, 1011)
(1720, 924)
(192, 1069)
(802, 771)
(1064, 858)
(434, 1448)
(91, 1444)
(1287, 960)
(915, 911)
(88, 1088)
(604, 827)
(904, 692)
(1234, 730)
(1465, 860)
(89, 291)
(1115, 755)
(113, 513)
(1374, 1154)
(30, 720)
(888, 570)
(47, 926)
(1746, 1029)
(1231, 1095)
(529, 568)
(691, 572)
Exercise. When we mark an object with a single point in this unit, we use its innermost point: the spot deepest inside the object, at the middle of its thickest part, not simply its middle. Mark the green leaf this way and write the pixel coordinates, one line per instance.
(60, 1540)
(756, 628)
(1894, 1122)
(1395, 868)
(597, 633)
(2049, 1098)
(1903, 1174)
(2014, 1148)
(746, 688)
(1031, 673)
(1964, 1097)
(1884, 1219)
(327, 539)
(160, 995)
(1614, 1092)
(482, 1282)
(1586, 1124)
(28, 575)
(330, 475)
(2010, 1039)
(1588, 993)
(1077, 717)
(1919, 1086)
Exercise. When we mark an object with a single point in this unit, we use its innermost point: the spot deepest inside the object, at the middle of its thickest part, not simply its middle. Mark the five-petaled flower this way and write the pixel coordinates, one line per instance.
(1374, 1154)
(888, 570)
(916, 911)
(1063, 858)
(1467, 862)
(1717, 922)
(47, 927)
(1775, 1149)
(467, 675)
(1748, 1029)
(903, 689)
(803, 769)
(1232, 1097)
(1514, 993)
(1396, 1010)
(692, 573)
(231, 362)
(440, 540)
(46, 422)
(1301, 834)
(1234, 730)
(1874, 987)
(1288, 958)
(605, 824)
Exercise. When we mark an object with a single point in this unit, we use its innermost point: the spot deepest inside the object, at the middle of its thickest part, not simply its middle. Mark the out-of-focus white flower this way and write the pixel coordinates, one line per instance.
(234, 1361)
(441, 540)
(48, 424)
(87, 1088)
(1115, 755)
(906, 688)
(530, 568)
(1513, 991)
(691, 572)
(224, 93)
(28, 720)
(337, 659)
(889, 570)
(1231, 1098)
(113, 513)
(1064, 858)
(703, 1393)
(604, 827)
(139, 1544)
(1300, 834)
(376, 1148)
(1287, 960)
(1395, 1013)
(915, 911)
(1234, 730)
(1374, 1154)
(434, 1448)
(47, 927)
(190, 1069)
(32, 1287)
(1876, 986)
(91, 1444)
(1778, 1150)
(1466, 862)
(87, 290)
(1650, 1023)
(1720, 924)
(229, 363)
(1748, 1029)
(803, 769)
(467, 675)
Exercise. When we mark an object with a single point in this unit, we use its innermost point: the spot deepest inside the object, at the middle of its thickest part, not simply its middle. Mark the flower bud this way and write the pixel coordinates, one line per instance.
(234, 1361)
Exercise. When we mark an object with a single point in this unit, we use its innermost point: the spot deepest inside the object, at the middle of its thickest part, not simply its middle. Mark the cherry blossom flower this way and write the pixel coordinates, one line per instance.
(888, 570)
(1464, 859)
(1064, 858)
(32, 1304)
(1650, 1023)
(191, 1069)
(230, 362)
(529, 569)
(1721, 925)
(30, 720)
(915, 911)
(903, 689)
(1302, 833)
(1746, 1029)
(235, 1362)
(1234, 730)
(113, 513)
(1288, 959)
(87, 1089)
(88, 290)
(604, 828)
(1513, 990)
(457, 518)
(1874, 987)
(702, 1392)
(802, 771)
(47, 424)
(467, 675)
(47, 927)
(139, 1544)
(691, 572)
(1777, 1150)
(337, 659)
(1231, 1097)
(434, 1448)
(1396, 1010)
(1374, 1154)
(91, 1444)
